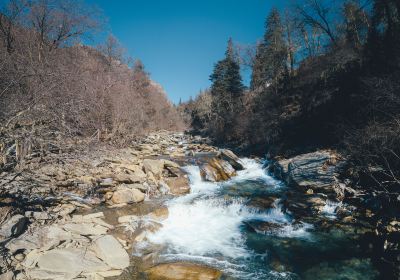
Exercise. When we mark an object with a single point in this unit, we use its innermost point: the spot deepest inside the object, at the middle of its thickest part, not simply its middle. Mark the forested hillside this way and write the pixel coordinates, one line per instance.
(325, 75)
(51, 85)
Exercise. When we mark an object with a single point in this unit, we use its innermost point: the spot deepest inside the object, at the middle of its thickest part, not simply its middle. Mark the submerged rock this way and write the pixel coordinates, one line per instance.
(183, 271)
(265, 227)
(347, 269)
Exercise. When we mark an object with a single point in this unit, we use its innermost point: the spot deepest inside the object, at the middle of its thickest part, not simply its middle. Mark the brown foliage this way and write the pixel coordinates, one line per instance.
(48, 82)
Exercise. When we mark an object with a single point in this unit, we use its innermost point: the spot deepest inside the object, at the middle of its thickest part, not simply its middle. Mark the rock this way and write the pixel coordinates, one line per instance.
(93, 216)
(65, 209)
(154, 166)
(142, 187)
(108, 249)
(19, 257)
(159, 214)
(7, 276)
(50, 275)
(170, 164)
(111, 273)
(86, 229)
(182, 271)
(70, 260)
(217, 170)
(178, 185)
(343, 269)
(263, 203)
(125, 195)
(230, 157)
(136, 169)
(107, 182)
(280, 168)
(14, 226)
(108, 195)
(128, 179)
(38, 215)
(265, 227)
(316, 172)
(31, 259)
(127, 219)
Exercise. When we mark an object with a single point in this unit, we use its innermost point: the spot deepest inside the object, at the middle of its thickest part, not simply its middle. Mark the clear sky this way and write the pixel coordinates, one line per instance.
(180, 40)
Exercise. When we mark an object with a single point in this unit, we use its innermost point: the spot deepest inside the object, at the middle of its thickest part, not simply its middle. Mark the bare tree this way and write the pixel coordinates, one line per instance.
(112, 49)
(60, 22)
(292, 36)
(319, 14)
(9, 18)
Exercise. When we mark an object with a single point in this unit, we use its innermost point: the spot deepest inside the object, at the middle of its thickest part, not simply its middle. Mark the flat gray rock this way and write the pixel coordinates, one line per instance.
(111, 252)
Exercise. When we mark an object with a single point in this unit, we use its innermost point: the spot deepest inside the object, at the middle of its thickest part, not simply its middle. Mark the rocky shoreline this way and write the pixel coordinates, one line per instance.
(44, 234)
(316, 179)
(79, 215)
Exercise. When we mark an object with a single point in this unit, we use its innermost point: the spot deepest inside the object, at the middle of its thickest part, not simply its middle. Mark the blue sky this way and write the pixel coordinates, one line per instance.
(180, 40)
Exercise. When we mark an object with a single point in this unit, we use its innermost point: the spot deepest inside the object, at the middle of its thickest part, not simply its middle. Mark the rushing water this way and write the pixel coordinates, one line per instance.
(216, 225)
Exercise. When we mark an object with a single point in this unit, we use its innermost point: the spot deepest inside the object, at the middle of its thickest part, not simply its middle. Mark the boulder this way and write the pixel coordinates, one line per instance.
(183, 271)
(233, 159)
(154, 166)
(136, 169)
(14, 226)
(127, 178)
(108, 249)
(178, 185)
(127, 195)
(317, 172)
(280, 168)
(217, 170)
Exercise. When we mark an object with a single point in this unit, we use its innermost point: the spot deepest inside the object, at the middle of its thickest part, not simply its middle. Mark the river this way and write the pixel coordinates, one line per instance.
(227, 226)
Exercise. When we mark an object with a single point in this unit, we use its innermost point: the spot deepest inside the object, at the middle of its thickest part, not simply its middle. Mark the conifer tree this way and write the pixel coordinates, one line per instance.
(226, 91)
(271, 56)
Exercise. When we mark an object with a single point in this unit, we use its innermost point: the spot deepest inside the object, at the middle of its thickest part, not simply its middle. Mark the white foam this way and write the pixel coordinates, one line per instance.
(330, 208)
(253, 170)
(205, 226)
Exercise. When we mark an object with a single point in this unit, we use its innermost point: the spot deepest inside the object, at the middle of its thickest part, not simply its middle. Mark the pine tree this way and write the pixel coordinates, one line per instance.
(226, 92)
(272, 53)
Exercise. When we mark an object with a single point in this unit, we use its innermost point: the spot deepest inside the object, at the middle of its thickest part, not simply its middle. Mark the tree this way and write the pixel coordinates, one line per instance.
(10, 15)
(290, 25)
(356, 24)
(226, 91)
(319, 14)
(60, 22)
(112, 49)
(383, 46)
(271, 56)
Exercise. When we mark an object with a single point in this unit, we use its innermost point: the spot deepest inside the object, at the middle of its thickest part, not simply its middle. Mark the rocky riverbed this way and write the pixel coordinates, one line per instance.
(171, 206)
